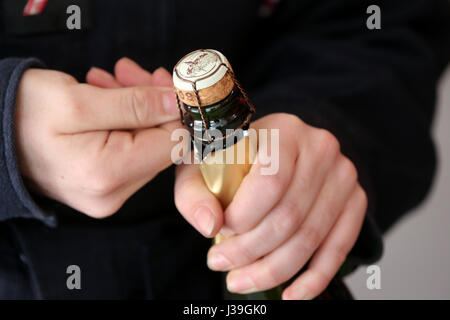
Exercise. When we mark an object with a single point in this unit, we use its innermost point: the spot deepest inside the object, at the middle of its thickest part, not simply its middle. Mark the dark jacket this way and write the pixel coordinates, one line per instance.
(374, 89)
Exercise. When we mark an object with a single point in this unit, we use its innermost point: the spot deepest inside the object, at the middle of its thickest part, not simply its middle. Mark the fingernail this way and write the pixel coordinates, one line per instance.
(299, 293)
(226, 232)
(169, 102)
(204, 219)
(218, 262)
(240, 284)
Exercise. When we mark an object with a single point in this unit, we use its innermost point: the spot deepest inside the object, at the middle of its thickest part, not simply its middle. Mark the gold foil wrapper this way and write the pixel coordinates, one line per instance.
(223, 179)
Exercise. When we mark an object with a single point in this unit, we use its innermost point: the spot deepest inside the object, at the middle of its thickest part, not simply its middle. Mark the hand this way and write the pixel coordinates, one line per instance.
(88, 147)
(312, 208)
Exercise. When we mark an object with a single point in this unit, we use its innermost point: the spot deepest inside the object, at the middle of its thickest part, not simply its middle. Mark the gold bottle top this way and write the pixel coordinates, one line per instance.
(206, 71)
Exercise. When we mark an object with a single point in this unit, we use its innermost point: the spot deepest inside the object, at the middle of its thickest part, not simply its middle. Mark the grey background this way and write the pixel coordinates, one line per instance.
(416, 261)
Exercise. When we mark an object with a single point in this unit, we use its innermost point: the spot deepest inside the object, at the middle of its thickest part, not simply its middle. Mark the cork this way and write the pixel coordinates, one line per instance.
(207, 71)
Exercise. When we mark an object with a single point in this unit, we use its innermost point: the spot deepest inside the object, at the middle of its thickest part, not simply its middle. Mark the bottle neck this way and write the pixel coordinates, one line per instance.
(229, 113)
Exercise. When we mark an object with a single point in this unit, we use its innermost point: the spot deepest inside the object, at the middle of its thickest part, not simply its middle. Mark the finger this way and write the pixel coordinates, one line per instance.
(101, 78)
(284, 219)
(333, 252)
(129, 74)
(259, 193)
(195, 202)
(91, 108)
(281, 264)
(151, 149)
(162, 77)
(144, 154)
(104, 183)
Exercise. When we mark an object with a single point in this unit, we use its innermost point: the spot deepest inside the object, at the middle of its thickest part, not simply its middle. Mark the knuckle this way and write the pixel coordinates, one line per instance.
(178, 199)
(238, 223)
(99, 181)
(238, 220)
(291, 119)
(311, 239)
(73, 106)
(247, 254)
(325, 144)
(282, 120)
(272, 276)
(273, 184)
(138, 102)
(319, 283)
(179, 194)
(184, 197)
(362, 196)
(341, 252)
(303, 183)
(100, 209)
(286, 221)
(101, 185)
(66, 78)
(347, 171)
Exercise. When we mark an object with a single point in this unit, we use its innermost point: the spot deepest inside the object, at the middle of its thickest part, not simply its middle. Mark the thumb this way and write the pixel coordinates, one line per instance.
(122, 108)
(195, 202)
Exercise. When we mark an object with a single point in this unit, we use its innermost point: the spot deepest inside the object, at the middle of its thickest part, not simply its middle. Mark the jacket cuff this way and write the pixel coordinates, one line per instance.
(15, 201)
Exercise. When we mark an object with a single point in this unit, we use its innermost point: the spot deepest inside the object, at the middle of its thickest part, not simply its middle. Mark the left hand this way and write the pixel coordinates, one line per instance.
(313, 207)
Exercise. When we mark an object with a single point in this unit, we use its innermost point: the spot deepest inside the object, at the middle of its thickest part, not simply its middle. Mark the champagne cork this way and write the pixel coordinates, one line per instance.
(206, 71)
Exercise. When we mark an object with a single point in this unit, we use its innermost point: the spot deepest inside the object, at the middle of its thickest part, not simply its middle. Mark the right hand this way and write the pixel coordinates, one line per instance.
(88, 147)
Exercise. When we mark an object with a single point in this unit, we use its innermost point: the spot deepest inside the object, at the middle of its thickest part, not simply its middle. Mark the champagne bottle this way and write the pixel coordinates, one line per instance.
(217, 113)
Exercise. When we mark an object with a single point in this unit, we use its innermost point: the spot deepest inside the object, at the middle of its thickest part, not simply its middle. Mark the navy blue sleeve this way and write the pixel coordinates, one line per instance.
(15, 200)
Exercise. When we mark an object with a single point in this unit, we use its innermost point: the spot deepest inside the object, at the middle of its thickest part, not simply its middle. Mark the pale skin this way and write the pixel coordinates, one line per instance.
(311, 210)
(75, 140)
